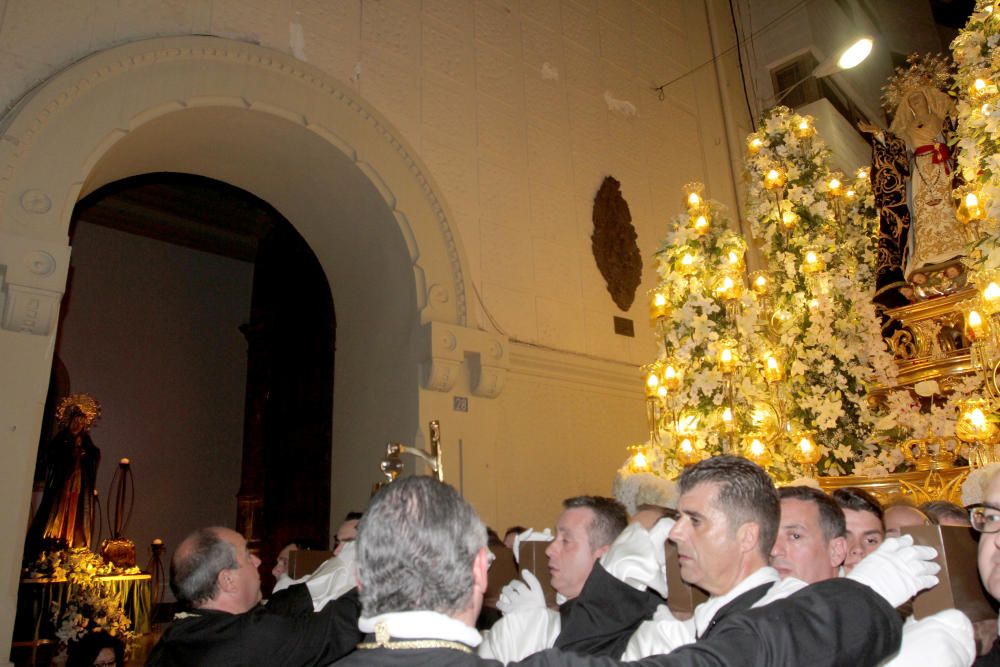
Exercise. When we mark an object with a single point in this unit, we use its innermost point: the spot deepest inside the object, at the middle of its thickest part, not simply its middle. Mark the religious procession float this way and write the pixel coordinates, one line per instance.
(866, 350)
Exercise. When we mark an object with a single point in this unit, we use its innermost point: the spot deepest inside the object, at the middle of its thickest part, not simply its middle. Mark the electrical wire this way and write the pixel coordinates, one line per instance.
(660, 89)
(739, 58)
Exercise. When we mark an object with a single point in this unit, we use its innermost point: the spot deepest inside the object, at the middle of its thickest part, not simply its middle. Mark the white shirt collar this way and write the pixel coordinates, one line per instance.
(423, 625)
(705, 612)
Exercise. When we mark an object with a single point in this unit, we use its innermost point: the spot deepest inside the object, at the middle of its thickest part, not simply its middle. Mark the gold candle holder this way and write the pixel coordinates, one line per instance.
(693, 195)
(670, 378)
(806, 452)
(812, 260)
(701, 220)
(756, 450)
(728, 360)
(659, 307)
(687, 265)
(772, 369)
(754, 143)
(638, 460)
(975, 326)
(774, 179)
(835, 187)
(803, 127)
(760, 283)
(687, 453)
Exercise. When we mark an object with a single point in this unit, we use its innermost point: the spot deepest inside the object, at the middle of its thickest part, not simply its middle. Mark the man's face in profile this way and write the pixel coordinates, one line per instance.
(707, 547)
(571, 557)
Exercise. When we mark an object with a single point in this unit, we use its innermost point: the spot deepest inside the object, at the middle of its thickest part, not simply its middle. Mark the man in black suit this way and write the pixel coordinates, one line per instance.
(214, 572)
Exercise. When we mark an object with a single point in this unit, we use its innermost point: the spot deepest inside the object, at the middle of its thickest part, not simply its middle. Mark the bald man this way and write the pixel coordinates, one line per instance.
(216, 575)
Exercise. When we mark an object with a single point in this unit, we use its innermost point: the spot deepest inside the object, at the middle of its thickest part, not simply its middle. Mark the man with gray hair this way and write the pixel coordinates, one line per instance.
(214, 572)
(422, 564)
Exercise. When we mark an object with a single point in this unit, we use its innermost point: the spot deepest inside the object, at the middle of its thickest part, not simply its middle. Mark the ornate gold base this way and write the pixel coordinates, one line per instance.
(917, 486)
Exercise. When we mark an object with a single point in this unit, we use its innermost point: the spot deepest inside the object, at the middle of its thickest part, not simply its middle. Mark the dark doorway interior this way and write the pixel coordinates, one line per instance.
(290, 334)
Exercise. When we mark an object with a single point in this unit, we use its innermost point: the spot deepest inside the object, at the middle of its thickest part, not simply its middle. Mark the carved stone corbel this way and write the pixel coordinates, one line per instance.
(444, 361)
(489, 368)
(448, 345)
(32, 281)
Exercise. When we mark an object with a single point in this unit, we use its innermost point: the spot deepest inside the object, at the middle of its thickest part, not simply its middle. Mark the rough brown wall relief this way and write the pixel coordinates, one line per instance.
(614, 244)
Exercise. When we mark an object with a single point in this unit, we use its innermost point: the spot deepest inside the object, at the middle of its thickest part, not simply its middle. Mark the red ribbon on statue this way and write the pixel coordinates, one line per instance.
(939, 152)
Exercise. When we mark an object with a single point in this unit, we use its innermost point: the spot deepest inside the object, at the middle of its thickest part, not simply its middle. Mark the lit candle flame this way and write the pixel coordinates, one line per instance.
(694, 200)
(639, 460)
(992, 292)
(971, 200)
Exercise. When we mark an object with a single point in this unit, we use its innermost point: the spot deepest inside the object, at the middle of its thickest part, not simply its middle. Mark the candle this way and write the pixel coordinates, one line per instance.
(671, 378)
(974, 322)
(774, 179)
(754, 144)
(758, 283)
(863, 174)
(772, 369)
(990, 299)
(836, 188)
(652, 384)
(788, 219)
(688, 264)
(727, 360)
(659, 307)
(811, 261)
(804, 129)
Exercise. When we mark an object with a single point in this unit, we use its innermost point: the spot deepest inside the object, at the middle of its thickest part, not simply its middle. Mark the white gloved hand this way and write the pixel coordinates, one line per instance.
(522, 595)
(633, 558)
(897, 570)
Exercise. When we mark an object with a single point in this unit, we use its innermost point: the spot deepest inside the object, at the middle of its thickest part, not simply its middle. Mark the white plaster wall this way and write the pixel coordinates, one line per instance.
(150, 329)
(517, 154)
(505, 104)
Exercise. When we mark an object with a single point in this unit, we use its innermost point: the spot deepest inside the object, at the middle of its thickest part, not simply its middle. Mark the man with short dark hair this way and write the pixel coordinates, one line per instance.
(584, 533)
(598, 611)
(420, 616)
(865, 530)
(811, 544)
(214, 572)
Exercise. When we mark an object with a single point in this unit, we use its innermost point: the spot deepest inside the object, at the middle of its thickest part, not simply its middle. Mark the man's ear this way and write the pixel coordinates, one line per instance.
(748, 536)
(225, 581)
(838, 551)
(600, 551)
(480, 570)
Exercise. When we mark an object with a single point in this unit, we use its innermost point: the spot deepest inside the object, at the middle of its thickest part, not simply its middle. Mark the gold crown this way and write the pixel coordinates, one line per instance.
(83, 404)
(919, 73)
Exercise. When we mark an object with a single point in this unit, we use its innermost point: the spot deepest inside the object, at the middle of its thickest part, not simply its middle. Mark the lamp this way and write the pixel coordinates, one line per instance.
(847, 58)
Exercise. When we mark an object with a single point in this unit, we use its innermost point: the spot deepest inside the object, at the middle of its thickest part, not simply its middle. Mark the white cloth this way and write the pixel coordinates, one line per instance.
(664, 633)
(897, 570)
(422, 625)
(530, 535)
(944, 639)
(637, 556)
(334, 577)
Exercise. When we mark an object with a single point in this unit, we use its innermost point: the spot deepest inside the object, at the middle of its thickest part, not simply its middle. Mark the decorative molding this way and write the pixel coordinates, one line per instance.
(448, 346)
(29, 118)
(32, 279)
(556, 366)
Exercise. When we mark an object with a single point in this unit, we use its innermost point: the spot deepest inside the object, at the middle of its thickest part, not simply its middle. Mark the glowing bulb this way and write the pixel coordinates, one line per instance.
(639, 460)
(652, 381)
(992, 292)
(805, 446)
(971, 200)
(686, 446)
(701, 224)
(855, 54)
(804, 125)
(977, 419)
(694, 200)
(756, 447)
(669, 373)
(726, 356)
(788, 218)
(727, 416)
(834, 183)
(975, 319)
(811, 257)
(687, 259)
(754, 145)
(733, 257)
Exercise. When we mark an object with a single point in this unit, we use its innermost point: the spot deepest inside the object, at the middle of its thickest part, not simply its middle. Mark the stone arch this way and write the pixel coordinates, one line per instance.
(237, 106)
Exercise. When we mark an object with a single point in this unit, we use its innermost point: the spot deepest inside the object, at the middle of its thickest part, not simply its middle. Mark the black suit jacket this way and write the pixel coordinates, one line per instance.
(286, 632)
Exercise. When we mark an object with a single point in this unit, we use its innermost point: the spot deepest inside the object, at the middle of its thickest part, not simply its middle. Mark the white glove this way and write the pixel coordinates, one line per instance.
(530, 536)
(522, 595)
(516, 636)
(632, 558)
(897, 570)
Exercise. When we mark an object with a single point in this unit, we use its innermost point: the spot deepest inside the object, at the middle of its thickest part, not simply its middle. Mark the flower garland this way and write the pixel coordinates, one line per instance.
(88, 607)
(978, 126)
(817, 230)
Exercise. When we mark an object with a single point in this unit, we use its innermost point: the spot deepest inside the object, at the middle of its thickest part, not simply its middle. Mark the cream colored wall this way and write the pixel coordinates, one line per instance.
(512, 109)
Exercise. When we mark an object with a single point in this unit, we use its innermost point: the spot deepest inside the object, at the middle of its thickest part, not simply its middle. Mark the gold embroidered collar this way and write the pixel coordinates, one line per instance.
(382, 640)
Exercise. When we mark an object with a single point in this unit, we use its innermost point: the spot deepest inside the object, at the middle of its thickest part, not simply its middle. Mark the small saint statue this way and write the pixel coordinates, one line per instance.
(921, 243)
(65, 516)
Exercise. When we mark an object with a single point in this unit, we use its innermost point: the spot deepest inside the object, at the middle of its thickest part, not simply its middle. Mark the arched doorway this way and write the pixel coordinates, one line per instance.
(282, 130)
